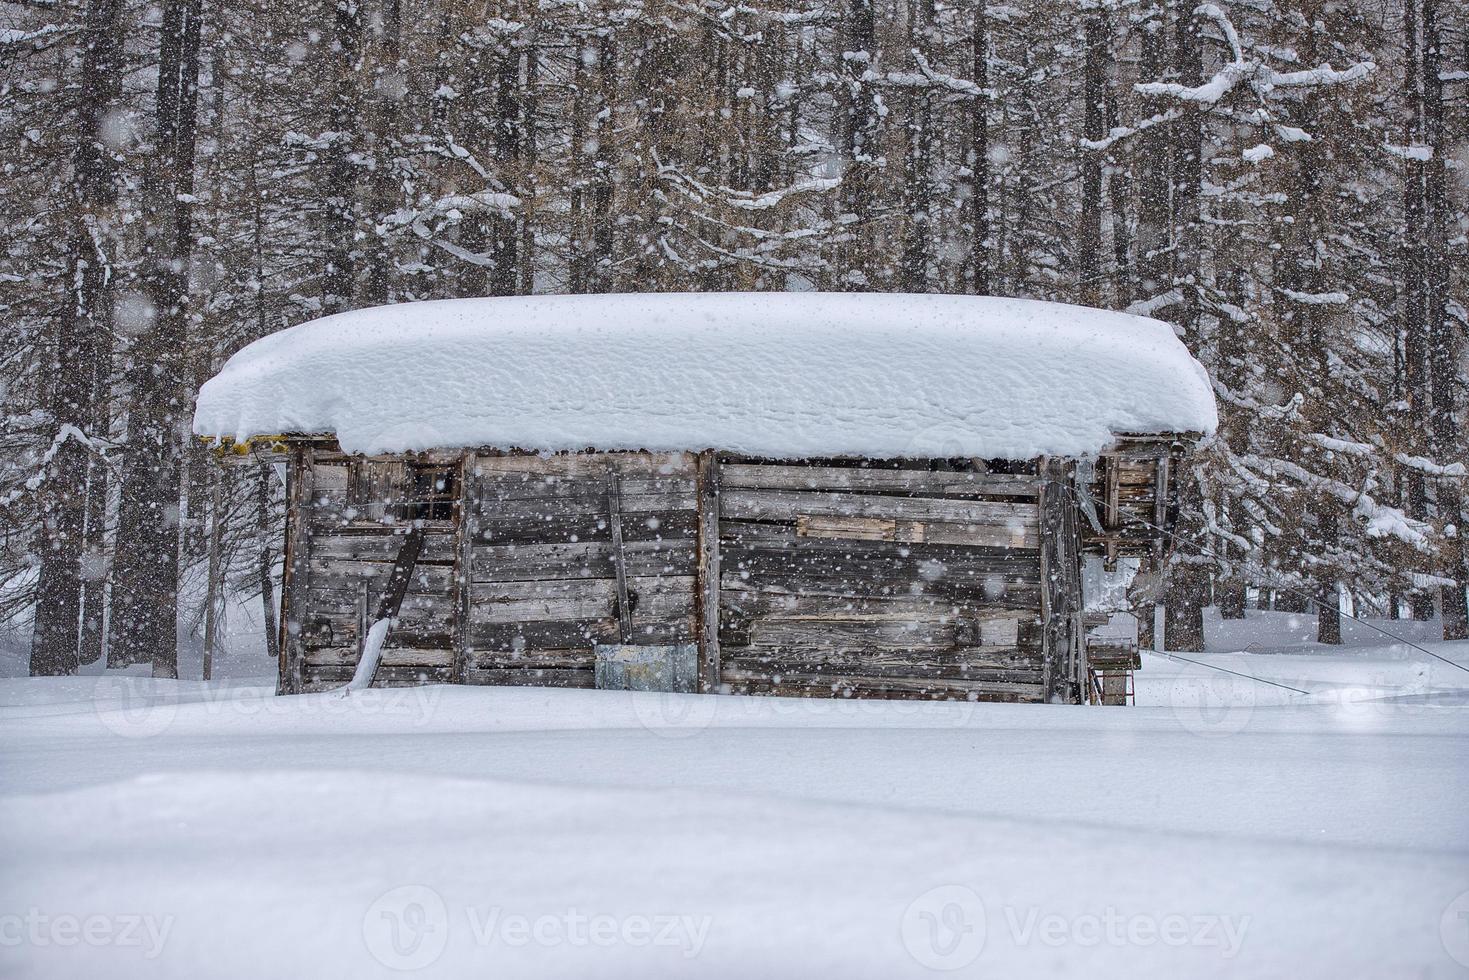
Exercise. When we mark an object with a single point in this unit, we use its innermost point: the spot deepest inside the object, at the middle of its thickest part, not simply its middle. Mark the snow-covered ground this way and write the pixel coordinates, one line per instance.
(1222, 827)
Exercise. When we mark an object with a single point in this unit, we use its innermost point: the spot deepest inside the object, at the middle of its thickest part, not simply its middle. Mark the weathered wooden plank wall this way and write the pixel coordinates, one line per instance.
(878, 581)
(926, 579)
(570, 551)
(354, 523)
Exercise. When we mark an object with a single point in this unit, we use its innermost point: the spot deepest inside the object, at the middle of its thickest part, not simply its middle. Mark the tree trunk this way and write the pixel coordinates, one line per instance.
(1188, 152)
(1231, 596)
(1183, 620)
(858, 51)
(1291, 601)
(95, 550)
(344, 111)
(1414, 289)
(1328, 617)
(979, 160)
(1094, 90)
(1445, 344)
(1186, 580)
(1146, 625)
(145, 592)
(267, 530)
(918, 196)
(83, 320)
(1151, 278)
(213, 584)
(391, 85)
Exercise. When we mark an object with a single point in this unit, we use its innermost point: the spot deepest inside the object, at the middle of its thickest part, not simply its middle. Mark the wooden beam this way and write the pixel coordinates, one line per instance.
(914, 532)
(296, 575)
(1160, 510)
(465, 529)
(1061, 658)
(787, 505)
(391, 600)
(707, 591)
(619, 559)
(771, 476)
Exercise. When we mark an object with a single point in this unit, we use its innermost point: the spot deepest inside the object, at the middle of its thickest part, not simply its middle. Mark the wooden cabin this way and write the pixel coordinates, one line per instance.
(790, 494)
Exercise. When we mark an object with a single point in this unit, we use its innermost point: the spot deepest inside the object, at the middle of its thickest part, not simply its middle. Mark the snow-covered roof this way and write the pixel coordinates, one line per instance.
(768, 374)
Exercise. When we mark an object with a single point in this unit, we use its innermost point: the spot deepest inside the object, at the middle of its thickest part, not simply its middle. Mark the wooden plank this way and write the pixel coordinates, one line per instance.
(1061, 602)
(296, 575)
(707, 572)
(393, 592)
(619, 561)
(589, 465)
(532, 636)
(383, 546)
(838, 633)
(659, 597)
(581, 559)
(530, 486)
(861, 685)
(524, 677)
(336, 573)
(1112, 494)
(746, 604)
(410, 675)
(391, 657)
(661, 526)
(579, 658)
(590, 503)
(464, 565)
(892, 662)
(886, 529)
(1049, 504)
(856, 594)
(375, 487)
(742, 669)
(1160, 511)
(882, 565)
(918, 482)
(783, 505)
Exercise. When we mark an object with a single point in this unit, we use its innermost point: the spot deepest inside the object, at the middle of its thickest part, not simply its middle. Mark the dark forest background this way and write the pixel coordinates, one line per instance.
(1286, 182)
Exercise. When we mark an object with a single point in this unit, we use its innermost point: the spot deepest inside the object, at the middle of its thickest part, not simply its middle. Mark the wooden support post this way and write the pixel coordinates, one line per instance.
(1062, 659)
(619, 556)
(296, 575)
(388, 605)
(391, 600)
(466, 528)
(706, 575)
(1112, 473)
(1160, 511)
(1111, 503)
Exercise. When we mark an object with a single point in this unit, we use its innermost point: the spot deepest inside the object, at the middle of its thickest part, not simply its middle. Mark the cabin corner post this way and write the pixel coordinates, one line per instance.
(464, 534)
(1062, 656)
(296, 568)
(706, 594)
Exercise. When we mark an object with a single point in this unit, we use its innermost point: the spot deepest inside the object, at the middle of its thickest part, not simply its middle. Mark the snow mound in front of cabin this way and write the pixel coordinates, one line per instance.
(769, 374)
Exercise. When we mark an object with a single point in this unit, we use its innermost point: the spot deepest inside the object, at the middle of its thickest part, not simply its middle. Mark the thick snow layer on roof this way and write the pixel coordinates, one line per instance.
(768, 374)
